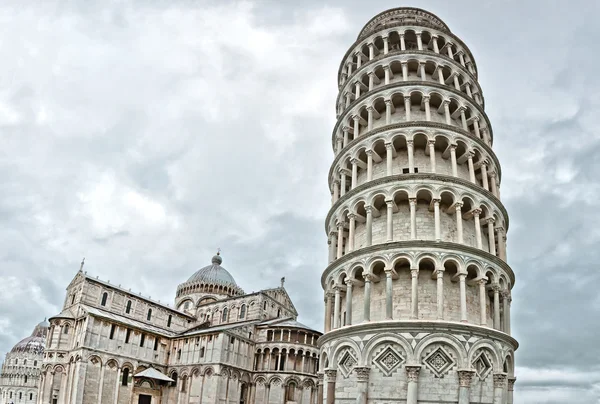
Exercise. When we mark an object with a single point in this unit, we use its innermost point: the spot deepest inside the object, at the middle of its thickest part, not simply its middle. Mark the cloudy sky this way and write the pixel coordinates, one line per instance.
(145, 135)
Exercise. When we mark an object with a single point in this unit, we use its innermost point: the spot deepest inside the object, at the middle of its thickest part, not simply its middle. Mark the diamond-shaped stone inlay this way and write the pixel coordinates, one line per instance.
(439, 362)
(388, 360)
(347, 363)
(482, 365)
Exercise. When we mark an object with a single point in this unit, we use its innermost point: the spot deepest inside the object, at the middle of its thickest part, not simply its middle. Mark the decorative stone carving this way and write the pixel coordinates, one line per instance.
(439, 362)
(465, 377)
(412, 372)
(482, 365)
(388, 360)
(347, 363)
(511, 383)
(331, 374)
(362, 373)
(499, 380)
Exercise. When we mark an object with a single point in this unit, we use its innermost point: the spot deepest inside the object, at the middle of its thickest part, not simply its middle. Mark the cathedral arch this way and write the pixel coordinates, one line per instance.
(382, 339)
(491, 350)
(442, 339)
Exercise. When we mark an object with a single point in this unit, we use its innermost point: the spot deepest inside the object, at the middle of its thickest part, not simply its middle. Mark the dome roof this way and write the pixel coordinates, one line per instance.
(35, 342)
(214, 274)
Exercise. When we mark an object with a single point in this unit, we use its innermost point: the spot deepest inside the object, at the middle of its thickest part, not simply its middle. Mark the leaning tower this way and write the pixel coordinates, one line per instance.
(417, 290)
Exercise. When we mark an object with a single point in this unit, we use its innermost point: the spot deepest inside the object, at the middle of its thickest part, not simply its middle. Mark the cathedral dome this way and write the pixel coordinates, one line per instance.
(35, 342)
(214, 274)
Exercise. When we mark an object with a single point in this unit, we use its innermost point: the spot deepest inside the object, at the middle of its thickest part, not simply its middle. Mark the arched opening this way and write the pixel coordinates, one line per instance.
(104, 299)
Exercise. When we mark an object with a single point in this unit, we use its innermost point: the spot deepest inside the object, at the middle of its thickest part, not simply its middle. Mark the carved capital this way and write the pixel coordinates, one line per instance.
(431, 142)
(511, 383)
(426, 98)
(412, 201)
(410, 143)
(412, 373)
(369, 152)
(465, 377)
(436, 201)
(414, 272)
(320, 377)
(388, 102)
(458, 206)
(368, 277)
(362, 373)
(349, 282)
(370, 109)
(476, 212)
(388, 146)
(368, 209)
(499, 380)
(331, 374)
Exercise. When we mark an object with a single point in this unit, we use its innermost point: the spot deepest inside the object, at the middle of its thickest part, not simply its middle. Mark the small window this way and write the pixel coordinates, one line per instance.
(186, 305)
(10, 395)
(25, 379)
(183, 383)
(16, 361)
(179, 354)
(30, 396)
(149, 316)
(128, 307)
(156, 344)
(20, 396)
(405, 171)
(66, 329)
(202, 352)
(209, 338)
(127, 336)
(112, 331)
(169, 320)
(224, 314)
(125, 378)
(142, 340)
(174, 377)
(232, 340)
(73, 299)
(278, 312)
(25, 362)
(104, 299)
(265, 306)
(243, 311)
(34, 363)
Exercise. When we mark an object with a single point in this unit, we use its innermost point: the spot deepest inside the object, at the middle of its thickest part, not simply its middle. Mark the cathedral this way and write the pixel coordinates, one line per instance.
(216, 345)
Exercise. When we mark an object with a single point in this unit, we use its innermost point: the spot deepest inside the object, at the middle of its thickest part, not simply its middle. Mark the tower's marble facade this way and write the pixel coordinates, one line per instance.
(417, 290)
(218, 345)
(20, 374)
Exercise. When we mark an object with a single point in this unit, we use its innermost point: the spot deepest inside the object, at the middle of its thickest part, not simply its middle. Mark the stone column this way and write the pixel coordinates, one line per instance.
(362, 378)
(463, 297)
(476, 213)
(440, 293)
(388, 294)
(330, 241)
(331, 375)
(427, 108)
(459, 224)
(493, 184)
(407, 107)
(336, 190)
(100, 383)
(340, 240)
(484, 177)
(506, 308)
(336, 307)
(413, 218)
(356, 126)
(436, 215)
(404, 71)
(338, 144)
(411, 156)
(463, 119)
(491, 238)
(510, 389)
(436, 47)
(413, 383)
(349, 285)
(482, 302)
(390, 223)
(371, 81)
(402, 42)
(367, 301)
(354, 163)
(441, 78)
(447, 112)
(369, 225)
(464, 381)
(345, 131)
(431, 144)
(388, 110)
(453, 160)
(385, 45)
(471, 169)
(342, 182)
(476, 126)
(422, 71)
(414, 302)
(369, 165)
(370, 117)
(319, 388)
(496, 289)
(499, 386)
(501, 243)
(389, 154)
(419, 41)
(328, 298)
(352, 219)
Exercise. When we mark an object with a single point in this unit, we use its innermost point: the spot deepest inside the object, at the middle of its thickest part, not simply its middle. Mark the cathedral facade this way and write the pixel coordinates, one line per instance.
(218, 345)
(417, 289)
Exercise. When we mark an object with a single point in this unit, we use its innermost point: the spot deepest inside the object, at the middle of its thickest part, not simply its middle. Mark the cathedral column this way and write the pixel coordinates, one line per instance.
(362, 378)
(349, 285)
(345, 131)
(331, 242)
(390, 224)
(336, 308)
(338, 145)
(402, 42)
(496, 289)
(388, 156)
(370, 115)
(356, 125)
(419, 41)
(352, 219)
(319, 388)
(453, 160)
(439, 274)
(369, 225)
(40, 395)
(510, 390)
(388, 294)
(367, 298)
(404, 71)
(463, 118)
(491, 238)
(101, 383)
(431, 144)
(414, 304)
(436, 47)
(459, 223)
(342, 182)
(482, 302)
(331, 375)
(413, 383)
(436, 215)
(385, 45)
(476, 213)
(336, 190)
(476, 126)
(413, 218)
(499, 386)
(463, 297)
(464, 381)
(471, 169)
